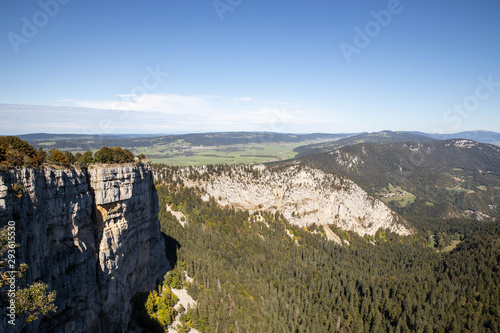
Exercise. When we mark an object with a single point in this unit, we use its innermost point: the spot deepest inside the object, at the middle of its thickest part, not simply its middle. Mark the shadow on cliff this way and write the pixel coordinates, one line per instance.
(171, 248)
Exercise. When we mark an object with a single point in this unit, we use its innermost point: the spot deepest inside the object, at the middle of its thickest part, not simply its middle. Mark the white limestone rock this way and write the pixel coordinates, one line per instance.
(304, 196)
(93, 236)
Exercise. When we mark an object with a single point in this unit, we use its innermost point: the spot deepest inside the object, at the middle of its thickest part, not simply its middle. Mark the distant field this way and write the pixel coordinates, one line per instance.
(231, 154)
(399, 196)
(402, 201)
(182, 153)
(432, 242)
(459, 189)
(451, 247)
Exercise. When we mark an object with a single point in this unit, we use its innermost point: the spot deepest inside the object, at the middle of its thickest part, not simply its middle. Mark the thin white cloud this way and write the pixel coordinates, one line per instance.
(156, 113)
(164, 103)
(245, 99)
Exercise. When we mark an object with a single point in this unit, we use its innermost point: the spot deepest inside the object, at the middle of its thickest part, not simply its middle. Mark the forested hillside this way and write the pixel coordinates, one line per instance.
(441, 179)
(257, 273)
(304, 196)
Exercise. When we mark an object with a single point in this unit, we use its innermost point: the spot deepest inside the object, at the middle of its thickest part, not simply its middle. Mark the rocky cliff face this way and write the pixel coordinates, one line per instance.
(93, 236)
(303, 195)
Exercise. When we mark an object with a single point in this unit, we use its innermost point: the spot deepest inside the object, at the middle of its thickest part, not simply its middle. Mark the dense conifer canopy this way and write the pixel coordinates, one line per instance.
(253, 272)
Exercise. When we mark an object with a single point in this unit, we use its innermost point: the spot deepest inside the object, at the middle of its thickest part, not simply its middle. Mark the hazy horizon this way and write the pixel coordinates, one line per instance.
(235, 131)
(293, 67)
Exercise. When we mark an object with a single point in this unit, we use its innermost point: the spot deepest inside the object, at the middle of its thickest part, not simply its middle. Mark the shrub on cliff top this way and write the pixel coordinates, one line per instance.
(85, 158)
(16, 152)
(58, 157)
(113, 155)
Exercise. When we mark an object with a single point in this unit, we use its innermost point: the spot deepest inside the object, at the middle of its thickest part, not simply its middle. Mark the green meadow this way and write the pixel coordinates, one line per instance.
(232, 154)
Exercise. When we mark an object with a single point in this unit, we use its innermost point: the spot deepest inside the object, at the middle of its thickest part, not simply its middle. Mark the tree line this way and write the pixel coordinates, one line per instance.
(16, 152)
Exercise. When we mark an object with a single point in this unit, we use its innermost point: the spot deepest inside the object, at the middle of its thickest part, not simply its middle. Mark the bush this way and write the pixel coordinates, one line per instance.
(113, 155)
(174, 279)
(69, 155)
(84, 159)
(34, 300)
(43, 154)
(144, 320)
(16, 152)
(161, 307)
(18, 189)
(59, 158)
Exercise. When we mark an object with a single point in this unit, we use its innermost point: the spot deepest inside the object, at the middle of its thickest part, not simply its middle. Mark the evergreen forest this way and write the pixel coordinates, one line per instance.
(254, 272)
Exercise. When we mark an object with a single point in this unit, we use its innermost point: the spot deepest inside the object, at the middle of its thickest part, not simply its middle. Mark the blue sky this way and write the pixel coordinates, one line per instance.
(175, 66)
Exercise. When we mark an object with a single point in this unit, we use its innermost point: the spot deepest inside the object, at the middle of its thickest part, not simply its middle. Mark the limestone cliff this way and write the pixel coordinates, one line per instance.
(92, 235)
(302, 194)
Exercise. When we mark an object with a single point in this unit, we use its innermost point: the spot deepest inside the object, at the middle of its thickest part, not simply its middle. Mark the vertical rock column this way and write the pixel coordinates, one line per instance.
(129, 244)
(93, 236)
(52, 211)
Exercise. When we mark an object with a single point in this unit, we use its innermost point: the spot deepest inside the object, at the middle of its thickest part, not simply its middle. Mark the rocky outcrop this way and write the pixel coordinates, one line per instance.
(303, 195)
(92, 235)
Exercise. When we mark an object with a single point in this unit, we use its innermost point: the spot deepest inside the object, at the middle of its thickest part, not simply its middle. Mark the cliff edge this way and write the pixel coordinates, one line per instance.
(303, 195)
(92, 235)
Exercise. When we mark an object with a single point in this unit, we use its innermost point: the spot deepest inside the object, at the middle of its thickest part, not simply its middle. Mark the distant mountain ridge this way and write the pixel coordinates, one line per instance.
(376, 137)
(332, 140)
(95, 141)
(479, 136)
